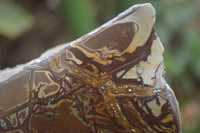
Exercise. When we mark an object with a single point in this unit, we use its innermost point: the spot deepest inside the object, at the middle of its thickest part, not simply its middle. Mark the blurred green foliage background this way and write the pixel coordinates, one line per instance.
(28, 28)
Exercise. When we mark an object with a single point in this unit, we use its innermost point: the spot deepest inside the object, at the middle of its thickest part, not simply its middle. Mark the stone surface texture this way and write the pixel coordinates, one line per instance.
(108, 81)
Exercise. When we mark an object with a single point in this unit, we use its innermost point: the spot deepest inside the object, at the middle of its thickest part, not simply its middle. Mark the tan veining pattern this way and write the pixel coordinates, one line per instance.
(108, 81)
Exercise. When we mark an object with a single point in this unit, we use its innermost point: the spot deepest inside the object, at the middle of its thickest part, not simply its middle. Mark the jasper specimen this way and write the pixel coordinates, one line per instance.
(108, 81)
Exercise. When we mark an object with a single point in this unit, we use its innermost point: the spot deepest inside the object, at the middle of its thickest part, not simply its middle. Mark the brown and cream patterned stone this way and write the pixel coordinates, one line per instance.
(108, 81)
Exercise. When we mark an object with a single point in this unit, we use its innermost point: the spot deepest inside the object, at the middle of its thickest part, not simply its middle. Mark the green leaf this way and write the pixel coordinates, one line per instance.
(80, 15)
(191, 51)
(13, 20)
(174, 65)
(196, 68)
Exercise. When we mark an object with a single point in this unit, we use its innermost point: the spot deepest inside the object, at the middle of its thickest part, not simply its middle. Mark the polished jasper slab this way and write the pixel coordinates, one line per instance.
(108, 81)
